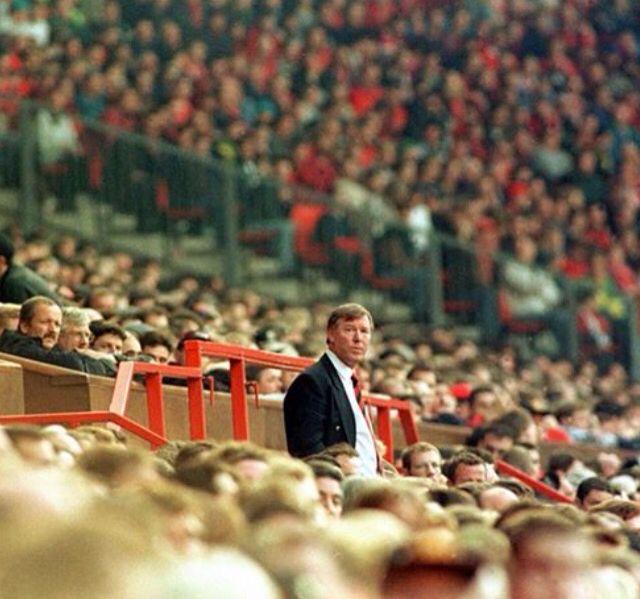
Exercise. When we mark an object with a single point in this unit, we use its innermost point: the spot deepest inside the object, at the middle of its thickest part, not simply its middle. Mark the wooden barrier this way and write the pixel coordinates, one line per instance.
(30, 387)
(11, 388)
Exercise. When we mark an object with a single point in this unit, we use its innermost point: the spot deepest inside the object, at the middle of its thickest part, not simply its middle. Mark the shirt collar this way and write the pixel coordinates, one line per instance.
(343, 370)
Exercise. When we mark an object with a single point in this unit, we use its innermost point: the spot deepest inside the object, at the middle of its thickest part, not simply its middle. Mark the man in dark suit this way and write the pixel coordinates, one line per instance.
(322, 407)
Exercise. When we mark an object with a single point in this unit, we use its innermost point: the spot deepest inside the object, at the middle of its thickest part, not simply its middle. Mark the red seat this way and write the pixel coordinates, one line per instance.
(305, 217)
(526, 327)
(376, 281)
(164, 204)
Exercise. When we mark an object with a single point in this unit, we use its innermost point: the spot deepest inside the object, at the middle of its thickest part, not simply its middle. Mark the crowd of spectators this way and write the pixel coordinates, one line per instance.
(512, 125)
(92, 310)
(490, 120)
(83, 509)
(441, 503)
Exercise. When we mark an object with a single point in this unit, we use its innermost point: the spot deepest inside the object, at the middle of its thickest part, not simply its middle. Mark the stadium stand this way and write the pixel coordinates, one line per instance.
(495, 143)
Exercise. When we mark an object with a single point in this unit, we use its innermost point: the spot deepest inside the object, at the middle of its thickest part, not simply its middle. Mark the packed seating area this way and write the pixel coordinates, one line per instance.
(492, 121)
(440, 513)
(512, 126)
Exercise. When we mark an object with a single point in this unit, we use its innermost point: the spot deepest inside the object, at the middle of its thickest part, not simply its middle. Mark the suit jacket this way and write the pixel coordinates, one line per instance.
(19, 283)
(317, 412)
(14, 342)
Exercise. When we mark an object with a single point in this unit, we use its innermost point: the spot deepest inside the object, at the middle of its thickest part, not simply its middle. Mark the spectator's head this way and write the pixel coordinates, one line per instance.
(75, 332)
(466, 467)
(496, 439)
(526, 250)
(103, 300)
(190, 335)
(329, 482)
(346, 456)
(108, 338)
(482, 403)
(593, 491)
(116, 466)
(497, 498)
(41, 317)
(248, 462)
(32, 444)
(156, 317)
(349, 330)
(520, 458)
(131, 347)
(156, 345)
(537, 572)
(423, 460)
(9, 317)
(267, 380)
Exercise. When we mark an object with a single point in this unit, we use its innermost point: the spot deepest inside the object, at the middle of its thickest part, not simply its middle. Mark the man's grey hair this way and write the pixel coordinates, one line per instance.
(75, 317)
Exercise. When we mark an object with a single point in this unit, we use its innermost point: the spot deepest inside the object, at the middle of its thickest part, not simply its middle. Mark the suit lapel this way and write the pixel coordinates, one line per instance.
(341, 399)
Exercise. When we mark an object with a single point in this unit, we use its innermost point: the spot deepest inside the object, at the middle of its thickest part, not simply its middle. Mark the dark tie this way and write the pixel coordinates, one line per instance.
(356, 389)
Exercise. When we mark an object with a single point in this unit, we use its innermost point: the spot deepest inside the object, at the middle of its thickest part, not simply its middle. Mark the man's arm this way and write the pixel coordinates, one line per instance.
(305, 416)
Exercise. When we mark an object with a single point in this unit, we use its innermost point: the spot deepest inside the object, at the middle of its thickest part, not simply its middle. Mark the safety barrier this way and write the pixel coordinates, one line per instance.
(154, 374)
(77, 418)
(155, 433)
(531, 482)
(238, 357)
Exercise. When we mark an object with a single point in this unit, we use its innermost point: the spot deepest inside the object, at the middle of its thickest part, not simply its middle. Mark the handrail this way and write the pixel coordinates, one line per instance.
(76, 418)
(238, 356)
(535, 484)
(154, 374)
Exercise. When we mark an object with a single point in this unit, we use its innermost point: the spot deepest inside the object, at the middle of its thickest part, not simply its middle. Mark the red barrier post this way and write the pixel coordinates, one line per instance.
(193, 359)
(155, 404)
(239, 412)
(385, 432)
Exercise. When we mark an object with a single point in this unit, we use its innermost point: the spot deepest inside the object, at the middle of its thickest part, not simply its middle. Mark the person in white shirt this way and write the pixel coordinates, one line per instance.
(322, 407)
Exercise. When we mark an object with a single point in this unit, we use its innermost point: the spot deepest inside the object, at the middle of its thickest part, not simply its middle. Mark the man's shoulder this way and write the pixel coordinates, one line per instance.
(14, 339)
(320, 368)
(20, 283)
(24, 346)
(317, 374)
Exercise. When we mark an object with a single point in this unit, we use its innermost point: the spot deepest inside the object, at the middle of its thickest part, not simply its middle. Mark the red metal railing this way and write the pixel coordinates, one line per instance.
(154, 374)
(77, 418)
(535, 484)
(238, 357)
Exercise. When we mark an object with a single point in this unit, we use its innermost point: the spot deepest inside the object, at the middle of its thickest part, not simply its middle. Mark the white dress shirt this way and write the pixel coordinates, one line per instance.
(365, 445)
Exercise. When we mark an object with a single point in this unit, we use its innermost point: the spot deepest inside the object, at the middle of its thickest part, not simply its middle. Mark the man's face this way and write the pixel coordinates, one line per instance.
(159, 353)
(131, 346)
(330, 492)
(349, 339)
(484, 404)
(466, 473)
(108, 344)
(495, 444)
(74, 337)
(45, 325)
(595, 497)
(425, 464)
(270, 380)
